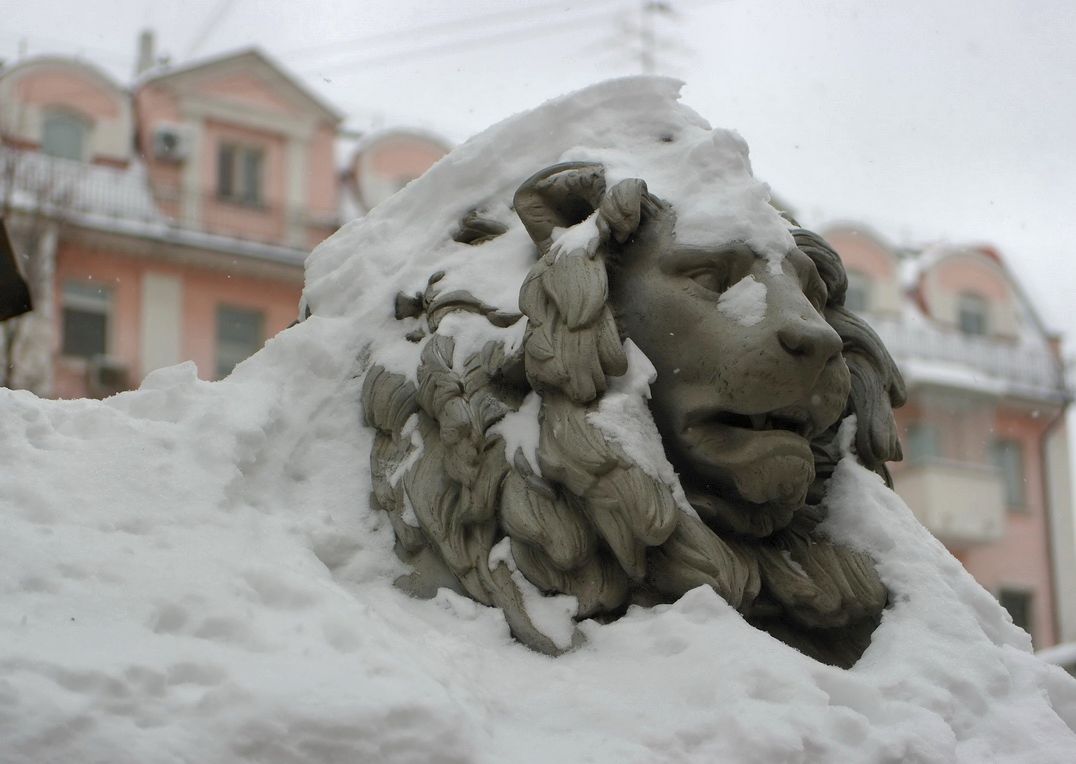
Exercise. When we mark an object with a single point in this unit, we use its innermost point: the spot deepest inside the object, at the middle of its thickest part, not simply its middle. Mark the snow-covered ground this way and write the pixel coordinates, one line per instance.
(192, 571)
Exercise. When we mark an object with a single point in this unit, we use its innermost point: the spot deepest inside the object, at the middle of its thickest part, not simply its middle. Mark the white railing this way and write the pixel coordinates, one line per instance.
(34, 182)
(1018, 368)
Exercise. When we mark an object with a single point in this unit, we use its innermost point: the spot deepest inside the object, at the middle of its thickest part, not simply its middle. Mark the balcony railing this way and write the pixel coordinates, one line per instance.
(986, 363)
(34, 182)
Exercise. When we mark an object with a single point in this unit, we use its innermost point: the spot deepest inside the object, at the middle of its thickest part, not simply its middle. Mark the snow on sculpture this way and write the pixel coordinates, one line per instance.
(755, 363)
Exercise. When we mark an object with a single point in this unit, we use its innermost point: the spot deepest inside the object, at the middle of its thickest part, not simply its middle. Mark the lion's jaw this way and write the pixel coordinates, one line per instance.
(760, 463)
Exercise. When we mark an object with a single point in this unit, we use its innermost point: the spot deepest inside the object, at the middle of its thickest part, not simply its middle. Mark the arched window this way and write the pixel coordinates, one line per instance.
(65, 135)
(973, 314)
(858, 297)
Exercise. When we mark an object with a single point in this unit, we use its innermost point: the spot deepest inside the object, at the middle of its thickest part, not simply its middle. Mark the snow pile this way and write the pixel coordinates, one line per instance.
(192, 571)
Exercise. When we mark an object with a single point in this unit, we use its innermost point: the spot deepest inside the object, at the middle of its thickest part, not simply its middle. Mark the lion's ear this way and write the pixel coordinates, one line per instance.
(559, 197)
(622, 209)
(565, 194)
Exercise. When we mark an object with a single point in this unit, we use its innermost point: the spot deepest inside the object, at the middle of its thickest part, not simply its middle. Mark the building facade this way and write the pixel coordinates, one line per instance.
(985, 443)
(170, 220)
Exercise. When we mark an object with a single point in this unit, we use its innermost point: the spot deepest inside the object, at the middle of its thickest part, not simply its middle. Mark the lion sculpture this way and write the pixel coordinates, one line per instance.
(753, 363)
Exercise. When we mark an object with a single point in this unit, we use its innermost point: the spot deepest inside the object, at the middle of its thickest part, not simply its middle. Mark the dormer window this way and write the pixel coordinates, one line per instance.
(65, 135)
(973, 313)
(857, 298)
(240, 174)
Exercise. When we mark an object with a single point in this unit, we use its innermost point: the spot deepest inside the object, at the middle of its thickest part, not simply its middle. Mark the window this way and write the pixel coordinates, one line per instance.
(65, 135)
(1018, 603)
(922, 443)
(857, 298)
(240, 332)
(86, 309)
(240, 173)
(973, 312)
(1009, 459)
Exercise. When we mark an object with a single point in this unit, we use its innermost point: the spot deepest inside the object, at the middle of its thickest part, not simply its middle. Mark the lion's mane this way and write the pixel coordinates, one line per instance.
(590, 522)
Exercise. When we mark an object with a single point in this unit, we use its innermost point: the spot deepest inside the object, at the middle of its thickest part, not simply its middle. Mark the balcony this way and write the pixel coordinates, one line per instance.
(992, 365)
(110, 198)
(961, 504)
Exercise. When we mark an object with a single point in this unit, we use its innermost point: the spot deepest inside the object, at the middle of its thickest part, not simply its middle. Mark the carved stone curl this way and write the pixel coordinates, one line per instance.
(747, 411)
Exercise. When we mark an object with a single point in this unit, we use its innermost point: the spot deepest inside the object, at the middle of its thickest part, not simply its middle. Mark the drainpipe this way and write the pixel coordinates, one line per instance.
(1047, 505)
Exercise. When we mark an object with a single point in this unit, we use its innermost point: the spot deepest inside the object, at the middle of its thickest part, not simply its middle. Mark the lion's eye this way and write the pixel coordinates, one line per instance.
(711, 279)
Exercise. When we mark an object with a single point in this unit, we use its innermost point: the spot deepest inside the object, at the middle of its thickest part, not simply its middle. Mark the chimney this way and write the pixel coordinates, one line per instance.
(146, 58)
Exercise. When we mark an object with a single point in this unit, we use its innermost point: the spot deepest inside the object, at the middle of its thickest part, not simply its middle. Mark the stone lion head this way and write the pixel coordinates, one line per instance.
(667, 420)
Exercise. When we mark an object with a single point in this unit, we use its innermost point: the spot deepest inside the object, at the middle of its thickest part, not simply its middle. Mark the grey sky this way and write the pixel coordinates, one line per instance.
(928, 120)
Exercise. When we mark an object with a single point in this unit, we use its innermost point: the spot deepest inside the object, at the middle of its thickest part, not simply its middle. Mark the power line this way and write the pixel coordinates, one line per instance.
(468, 23)
(498, 37)
(215, 16)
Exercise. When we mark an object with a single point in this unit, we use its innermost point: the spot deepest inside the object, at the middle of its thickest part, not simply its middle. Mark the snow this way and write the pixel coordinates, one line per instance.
(521, 432)
(409, 431)
(552, 615)
(622, 416)
(706, 174)
(192, 571)
(744, 302)
(581, 238)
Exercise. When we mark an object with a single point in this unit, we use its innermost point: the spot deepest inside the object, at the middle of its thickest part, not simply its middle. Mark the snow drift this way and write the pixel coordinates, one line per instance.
(192, 571)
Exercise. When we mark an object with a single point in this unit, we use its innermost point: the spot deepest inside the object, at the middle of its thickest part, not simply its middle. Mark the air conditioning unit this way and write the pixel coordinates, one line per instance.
(171, 143)
(105, 376)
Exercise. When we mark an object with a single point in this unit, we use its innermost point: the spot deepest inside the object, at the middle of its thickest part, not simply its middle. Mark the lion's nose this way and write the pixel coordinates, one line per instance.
(810, 340)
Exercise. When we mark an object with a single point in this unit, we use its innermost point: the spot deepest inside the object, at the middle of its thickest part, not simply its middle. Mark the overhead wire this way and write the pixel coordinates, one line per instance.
(212, 19)
(492, 38)
(467, 23)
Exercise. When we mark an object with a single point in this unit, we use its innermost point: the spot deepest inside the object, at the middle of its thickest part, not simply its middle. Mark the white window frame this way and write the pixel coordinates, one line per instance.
(71, 118)
(859, 282)
(1015, 484)
(224, 356)
(77, 295)
(976, 306)
(242, 190)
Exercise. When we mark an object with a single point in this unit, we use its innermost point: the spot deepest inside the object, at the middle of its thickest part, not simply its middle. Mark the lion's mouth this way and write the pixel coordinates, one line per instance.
(763, 458)
(793, 420)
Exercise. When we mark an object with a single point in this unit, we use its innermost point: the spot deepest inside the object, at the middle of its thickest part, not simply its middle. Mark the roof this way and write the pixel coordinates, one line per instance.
(916, 262)
(86, 67)
(256, 56)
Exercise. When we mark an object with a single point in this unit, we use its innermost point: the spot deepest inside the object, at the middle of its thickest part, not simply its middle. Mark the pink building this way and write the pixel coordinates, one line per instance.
(383, 162)
(170, 220)
(985, 445)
